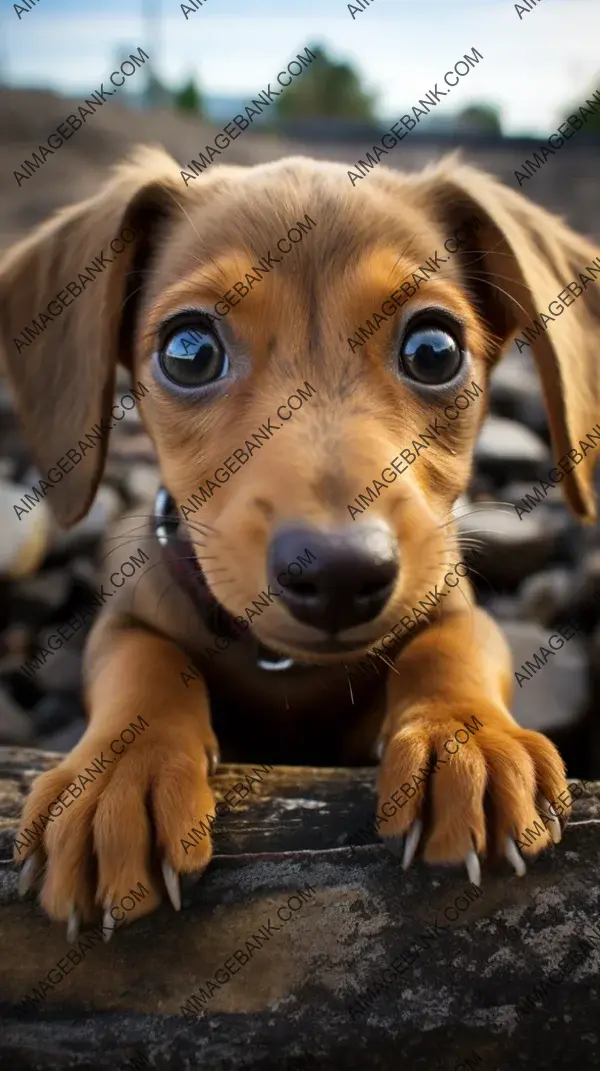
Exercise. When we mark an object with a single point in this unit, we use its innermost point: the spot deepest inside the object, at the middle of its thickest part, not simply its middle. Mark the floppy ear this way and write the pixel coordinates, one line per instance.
(521, 258)
(63, 374)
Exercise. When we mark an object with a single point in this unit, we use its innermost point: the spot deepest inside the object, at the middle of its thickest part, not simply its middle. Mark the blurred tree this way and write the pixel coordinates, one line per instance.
(591, 122)
(480, 119)
(157, 95)
(326, 88)
(189, 98)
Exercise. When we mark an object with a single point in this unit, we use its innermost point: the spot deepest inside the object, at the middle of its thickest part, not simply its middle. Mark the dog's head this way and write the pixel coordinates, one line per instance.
(326, 410)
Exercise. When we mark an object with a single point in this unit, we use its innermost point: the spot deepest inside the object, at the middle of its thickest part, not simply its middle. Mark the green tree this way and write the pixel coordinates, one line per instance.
(480, 119)
(188, 98)
(326, 89)
(591, 123)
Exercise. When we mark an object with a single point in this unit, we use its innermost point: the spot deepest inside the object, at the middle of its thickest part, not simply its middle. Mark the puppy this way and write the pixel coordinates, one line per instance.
(289, 684)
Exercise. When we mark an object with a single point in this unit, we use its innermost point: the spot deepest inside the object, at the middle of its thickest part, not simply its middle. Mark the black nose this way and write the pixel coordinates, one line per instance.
(349, 580)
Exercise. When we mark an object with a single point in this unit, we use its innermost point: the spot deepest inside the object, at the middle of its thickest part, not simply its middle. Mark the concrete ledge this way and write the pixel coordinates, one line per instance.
(296, 1002)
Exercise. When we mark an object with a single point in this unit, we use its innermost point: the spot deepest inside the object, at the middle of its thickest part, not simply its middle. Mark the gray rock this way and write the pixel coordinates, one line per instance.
(106, 508)
(16, 640)
(15, 726)
(62, 672)
(553, 696)
(515, 392)
(512, 548)
(24, 537)
(584, 597)
(63, 738)
(501, 607)
(515, 491)
(142, 483)
(507, 450)
(545, 595)
(50, 589)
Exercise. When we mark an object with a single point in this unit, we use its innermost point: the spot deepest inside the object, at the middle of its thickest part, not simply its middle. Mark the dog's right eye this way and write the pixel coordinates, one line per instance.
(193, 356)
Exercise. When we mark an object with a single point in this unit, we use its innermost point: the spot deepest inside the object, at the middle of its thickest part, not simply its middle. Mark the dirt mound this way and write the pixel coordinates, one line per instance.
(28, 117)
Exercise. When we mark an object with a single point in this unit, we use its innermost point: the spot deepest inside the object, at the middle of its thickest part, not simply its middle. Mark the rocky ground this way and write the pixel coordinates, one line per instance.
(536, 572)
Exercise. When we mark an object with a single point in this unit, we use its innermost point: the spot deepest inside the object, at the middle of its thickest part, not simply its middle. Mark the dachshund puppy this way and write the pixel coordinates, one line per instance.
(289, 685)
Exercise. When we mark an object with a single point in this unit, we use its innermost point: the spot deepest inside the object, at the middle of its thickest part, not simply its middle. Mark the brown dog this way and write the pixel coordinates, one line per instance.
(212, 379)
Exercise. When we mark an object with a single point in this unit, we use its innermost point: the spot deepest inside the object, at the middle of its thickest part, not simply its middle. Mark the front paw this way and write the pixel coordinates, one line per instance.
(461, 785)
(103, 831)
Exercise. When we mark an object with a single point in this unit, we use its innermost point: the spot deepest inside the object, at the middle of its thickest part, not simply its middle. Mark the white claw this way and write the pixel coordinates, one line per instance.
(555, 830)
(412, 843)
(513, 856)
(108, 926)
(73, 926)
(473, 867)
(214, 759)
(30, 872)
(172, 884)
(379, 749)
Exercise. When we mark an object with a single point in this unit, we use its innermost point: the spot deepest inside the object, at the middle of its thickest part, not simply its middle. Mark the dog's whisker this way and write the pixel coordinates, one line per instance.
(404, 253)
(386, 662)
(126, 543)
(199, 524)
(349, 684)
(478, 505)
(506, 507)
(168, 588)
(500, 290)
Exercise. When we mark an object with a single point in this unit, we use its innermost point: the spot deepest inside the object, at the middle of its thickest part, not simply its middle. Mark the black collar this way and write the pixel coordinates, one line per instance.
(185, 569)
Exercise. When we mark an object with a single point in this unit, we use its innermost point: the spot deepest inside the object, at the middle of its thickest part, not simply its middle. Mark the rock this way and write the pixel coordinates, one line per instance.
(583, 601)
(83, 570)
(15, 726)
(137, 446)
(24, 537)
(515, 492)
(16, 640)
(106, 508)
(516, 394)
(544, 595)
(49, 590)
(63, 738)
(553, 697)
(501, 607)
(7, 470)
(143, 483)
(513, 548)
(507, 450)
(62, 672)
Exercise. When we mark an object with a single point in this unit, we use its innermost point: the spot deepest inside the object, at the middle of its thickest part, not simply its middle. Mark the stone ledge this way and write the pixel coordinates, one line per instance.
(293, 1005)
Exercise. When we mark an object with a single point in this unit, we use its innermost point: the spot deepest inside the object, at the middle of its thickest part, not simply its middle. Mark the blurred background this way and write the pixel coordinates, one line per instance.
(372, 66)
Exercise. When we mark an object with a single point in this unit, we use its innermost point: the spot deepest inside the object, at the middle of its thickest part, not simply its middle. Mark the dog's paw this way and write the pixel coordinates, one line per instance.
(105, 833)
(459, 787)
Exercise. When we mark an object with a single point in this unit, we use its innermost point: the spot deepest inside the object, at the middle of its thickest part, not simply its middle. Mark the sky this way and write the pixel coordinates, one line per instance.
(533, 65)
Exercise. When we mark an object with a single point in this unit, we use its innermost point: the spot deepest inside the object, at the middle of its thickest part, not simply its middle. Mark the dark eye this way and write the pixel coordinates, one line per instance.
(430, 355)
(192, 356)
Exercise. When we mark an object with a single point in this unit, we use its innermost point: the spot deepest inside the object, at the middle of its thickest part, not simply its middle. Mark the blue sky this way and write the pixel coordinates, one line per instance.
(532, 66)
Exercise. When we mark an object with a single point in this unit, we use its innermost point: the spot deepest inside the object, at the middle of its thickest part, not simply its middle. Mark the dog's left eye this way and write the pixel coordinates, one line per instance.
(430, 354)
(193, 356)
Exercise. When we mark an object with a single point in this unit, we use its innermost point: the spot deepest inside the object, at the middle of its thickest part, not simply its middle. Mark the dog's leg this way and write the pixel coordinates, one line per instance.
(449, 739)
(144, 792)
